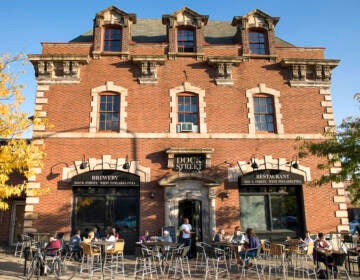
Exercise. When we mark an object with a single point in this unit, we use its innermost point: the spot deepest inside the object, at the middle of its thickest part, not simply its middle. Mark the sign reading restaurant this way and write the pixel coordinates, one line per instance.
(189, 163)
(271, 177)
(106, 178)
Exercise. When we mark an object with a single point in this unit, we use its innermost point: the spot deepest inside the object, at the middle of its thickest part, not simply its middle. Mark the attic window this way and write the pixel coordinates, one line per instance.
(112, 39)
(258, 42)
(185, 40)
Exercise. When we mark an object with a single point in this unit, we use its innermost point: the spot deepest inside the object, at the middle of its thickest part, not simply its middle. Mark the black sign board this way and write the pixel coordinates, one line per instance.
(106, 178)
(271, 177)
(189, 163)
(171, 230)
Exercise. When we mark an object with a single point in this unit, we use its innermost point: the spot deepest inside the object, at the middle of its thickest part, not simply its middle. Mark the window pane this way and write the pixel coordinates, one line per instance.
(283, 209)
(185, 40)
(109, 114)
(253, 212)
(112, 39)
(264, 114)
(257, 42)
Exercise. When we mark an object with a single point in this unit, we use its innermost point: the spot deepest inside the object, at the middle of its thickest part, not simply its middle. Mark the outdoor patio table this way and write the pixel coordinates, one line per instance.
(103, 244)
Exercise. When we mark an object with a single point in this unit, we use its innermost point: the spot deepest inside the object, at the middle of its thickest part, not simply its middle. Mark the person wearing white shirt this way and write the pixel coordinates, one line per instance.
(110, 237)
(186, 234)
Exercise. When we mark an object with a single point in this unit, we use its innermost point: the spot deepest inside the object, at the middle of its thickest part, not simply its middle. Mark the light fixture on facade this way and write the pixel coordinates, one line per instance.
(152, 194)
(52, 174)
(127, 164)
(84, 163)
(224, 194)
(295, 164)
(254, 165)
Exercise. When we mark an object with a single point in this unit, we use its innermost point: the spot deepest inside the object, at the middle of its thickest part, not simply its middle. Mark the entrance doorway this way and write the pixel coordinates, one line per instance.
(17, 221)
(191, 209)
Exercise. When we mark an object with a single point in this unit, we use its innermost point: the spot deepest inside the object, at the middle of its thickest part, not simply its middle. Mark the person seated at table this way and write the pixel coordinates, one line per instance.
(96, 232)
(304, 242)
(166, 237)
(74, 243)
(238, 237)
(145, 237)
(116, 234)
(323, 253)
(53, 246)
(110, 237)
(220, 236)
(91, 237)
(252, 243)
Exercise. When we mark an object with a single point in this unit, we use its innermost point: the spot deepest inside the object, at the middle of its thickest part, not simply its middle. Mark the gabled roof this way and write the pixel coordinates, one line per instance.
(153, 31)
(185, 10)
(116, 11)
(257, 12)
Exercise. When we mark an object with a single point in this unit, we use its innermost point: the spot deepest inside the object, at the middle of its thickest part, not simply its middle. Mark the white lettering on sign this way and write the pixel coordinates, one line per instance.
(189, 163)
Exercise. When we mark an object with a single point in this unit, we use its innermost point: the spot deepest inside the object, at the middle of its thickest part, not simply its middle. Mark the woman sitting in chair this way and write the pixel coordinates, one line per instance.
(53, 246)
(251, 247)
(323, 253)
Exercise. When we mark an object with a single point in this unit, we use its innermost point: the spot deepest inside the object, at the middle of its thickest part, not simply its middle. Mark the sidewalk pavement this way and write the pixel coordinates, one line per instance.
(12, 268)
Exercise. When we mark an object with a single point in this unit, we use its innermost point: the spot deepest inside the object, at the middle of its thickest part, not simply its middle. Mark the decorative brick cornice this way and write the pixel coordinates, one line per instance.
(223, 65)
(60, 68)
(310, 72)
(148, 65)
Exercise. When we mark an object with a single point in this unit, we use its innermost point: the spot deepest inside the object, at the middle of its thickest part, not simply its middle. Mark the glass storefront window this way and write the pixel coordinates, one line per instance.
(271, 208)
(105, 207)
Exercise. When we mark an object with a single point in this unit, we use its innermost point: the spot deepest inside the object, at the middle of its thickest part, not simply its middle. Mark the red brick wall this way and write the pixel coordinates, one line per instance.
(301, 107)
(55, 206)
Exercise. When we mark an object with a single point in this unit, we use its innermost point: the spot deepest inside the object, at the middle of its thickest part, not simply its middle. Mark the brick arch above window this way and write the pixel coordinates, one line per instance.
(262, 89)
(108, 87)
(187, 87)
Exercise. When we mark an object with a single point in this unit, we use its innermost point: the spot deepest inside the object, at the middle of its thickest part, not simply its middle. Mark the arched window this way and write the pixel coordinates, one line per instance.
(109, 112)
(185, 40)
(258, 42)
(264, 113)
(112, 39)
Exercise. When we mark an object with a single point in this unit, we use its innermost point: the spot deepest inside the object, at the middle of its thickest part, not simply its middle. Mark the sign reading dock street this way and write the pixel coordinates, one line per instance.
(189, 163)
(271, 177)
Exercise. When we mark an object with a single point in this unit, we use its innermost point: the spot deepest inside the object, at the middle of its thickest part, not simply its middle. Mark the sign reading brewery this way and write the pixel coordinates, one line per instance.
(271, 177)
(189, 163)
(106, 178)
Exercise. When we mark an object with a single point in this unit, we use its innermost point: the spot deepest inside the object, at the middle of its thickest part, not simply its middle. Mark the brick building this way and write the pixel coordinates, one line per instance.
(156, 119)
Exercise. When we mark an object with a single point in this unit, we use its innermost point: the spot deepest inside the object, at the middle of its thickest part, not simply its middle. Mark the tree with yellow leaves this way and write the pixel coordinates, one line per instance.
(17, 155)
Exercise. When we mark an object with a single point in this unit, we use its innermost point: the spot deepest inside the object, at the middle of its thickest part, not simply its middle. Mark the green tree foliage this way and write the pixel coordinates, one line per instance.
(340, 146)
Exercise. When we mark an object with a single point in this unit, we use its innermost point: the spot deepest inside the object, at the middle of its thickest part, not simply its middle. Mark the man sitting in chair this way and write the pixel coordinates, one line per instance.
(324, 253)
(250, 248)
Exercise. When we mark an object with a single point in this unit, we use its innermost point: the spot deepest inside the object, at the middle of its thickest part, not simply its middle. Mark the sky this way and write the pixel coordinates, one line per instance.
(332, 24)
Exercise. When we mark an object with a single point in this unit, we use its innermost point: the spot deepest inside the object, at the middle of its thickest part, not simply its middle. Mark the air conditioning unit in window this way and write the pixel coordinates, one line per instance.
(186, 127)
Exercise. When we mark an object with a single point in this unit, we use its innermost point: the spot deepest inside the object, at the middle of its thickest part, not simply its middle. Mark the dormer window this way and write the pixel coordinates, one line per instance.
(185, 40)
(185, 31)
(112, 39)
(112, 33)
(257, 34)
(257, 42)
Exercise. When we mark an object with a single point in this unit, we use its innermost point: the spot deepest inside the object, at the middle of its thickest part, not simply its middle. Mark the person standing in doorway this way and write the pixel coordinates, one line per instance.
(186, 234)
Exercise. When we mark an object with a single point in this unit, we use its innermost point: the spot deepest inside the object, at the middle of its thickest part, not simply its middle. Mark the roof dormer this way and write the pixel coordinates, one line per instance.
(257, 33)
(112, 32)
(185, 29)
